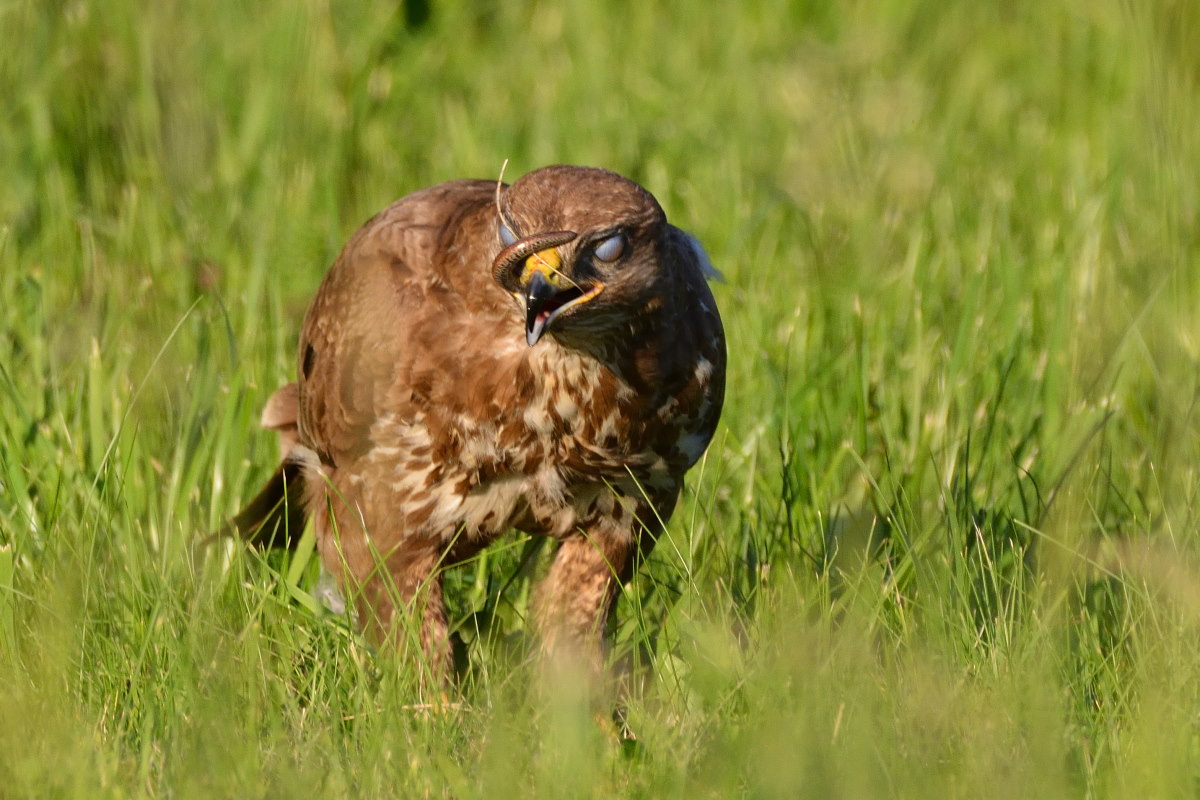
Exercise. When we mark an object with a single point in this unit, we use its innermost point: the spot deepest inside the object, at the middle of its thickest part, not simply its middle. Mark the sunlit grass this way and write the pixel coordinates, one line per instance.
(944, 543)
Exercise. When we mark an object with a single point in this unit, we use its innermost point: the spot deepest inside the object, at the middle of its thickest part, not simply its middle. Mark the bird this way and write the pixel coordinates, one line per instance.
(545, 356)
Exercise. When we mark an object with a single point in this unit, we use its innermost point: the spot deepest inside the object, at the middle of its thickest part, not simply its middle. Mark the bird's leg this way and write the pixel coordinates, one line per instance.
(401, 605)
(398, 594)
(574, 600)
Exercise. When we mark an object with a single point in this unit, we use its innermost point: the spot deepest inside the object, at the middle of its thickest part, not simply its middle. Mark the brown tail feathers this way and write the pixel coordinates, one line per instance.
(275, 517)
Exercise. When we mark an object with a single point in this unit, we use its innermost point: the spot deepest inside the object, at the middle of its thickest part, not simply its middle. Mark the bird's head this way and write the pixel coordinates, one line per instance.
(581, 250)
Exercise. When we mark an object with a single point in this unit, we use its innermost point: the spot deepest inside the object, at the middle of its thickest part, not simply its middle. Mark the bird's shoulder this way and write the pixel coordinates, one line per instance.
(398, 305)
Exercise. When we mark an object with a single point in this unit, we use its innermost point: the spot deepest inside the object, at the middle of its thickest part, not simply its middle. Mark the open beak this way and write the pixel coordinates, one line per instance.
(548, 292)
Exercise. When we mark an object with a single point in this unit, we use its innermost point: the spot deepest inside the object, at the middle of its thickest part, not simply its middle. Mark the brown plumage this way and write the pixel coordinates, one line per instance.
(544, 356)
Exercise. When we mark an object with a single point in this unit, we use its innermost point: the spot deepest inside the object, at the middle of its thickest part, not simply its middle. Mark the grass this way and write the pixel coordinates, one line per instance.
(944, 544)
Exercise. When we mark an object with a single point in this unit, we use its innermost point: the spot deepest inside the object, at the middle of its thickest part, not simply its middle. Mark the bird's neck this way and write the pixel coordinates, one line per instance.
(630, 361)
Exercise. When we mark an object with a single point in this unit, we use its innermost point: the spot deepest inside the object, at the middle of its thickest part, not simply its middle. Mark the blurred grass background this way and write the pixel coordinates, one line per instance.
(943, 545)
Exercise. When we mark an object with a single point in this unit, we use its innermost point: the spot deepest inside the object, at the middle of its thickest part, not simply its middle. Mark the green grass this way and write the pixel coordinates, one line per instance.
(944, 544)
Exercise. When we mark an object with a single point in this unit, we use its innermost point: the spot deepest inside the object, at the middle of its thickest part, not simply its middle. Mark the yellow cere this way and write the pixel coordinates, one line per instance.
(549, 264)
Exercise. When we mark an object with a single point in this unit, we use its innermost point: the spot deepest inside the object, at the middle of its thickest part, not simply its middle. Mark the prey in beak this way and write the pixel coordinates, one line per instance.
(541, 285)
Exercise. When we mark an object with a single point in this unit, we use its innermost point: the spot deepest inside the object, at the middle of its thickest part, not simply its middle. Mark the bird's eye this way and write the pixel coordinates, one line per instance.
(610, 249)
(507, 237)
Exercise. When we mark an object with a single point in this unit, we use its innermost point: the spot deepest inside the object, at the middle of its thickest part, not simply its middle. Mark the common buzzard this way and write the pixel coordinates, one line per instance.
(544, 356)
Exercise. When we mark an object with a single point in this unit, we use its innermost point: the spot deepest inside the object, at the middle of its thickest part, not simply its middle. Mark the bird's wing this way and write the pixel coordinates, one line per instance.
(365, 334)
(701, 354)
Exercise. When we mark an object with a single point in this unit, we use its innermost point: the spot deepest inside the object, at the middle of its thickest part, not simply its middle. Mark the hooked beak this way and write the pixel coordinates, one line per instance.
(548, 294)
(538, 294)
(531, 270)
